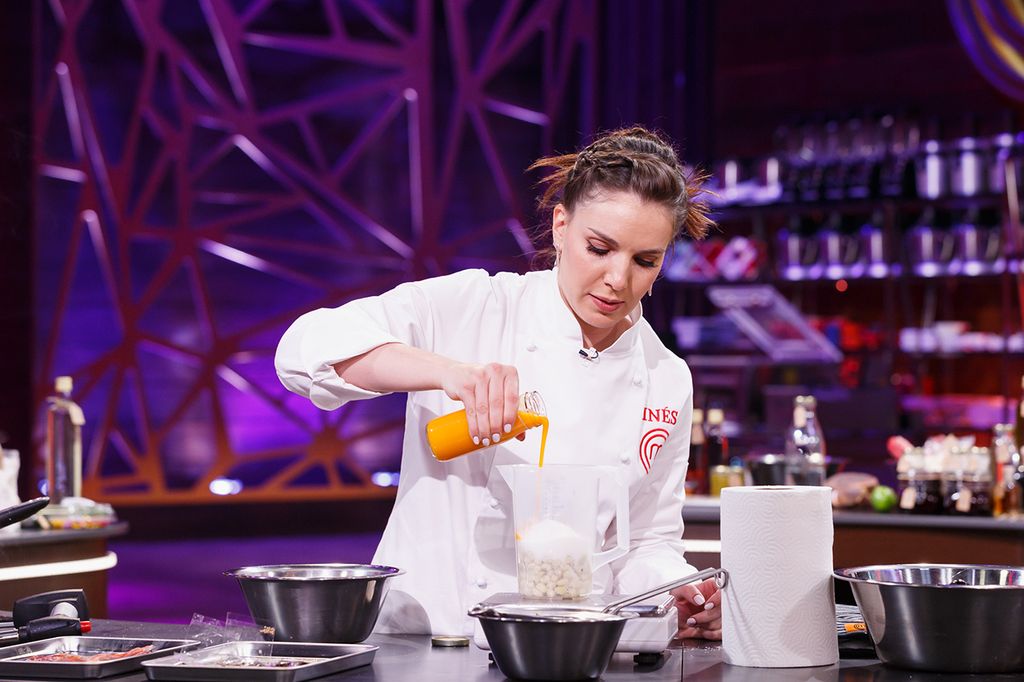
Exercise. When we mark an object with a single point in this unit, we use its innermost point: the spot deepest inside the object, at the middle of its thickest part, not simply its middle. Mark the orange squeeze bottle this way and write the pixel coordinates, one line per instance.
(448, 435)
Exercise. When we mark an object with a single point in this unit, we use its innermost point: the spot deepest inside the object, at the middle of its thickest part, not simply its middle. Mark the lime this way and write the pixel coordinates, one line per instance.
(883, 498)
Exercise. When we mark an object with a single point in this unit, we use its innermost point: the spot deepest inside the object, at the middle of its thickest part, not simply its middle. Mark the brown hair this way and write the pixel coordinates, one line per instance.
(632, 160)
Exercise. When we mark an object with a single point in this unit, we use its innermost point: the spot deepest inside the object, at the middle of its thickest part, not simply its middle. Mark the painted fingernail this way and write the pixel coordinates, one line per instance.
(476, 440)
(691, 622)
(496, 437)
(710, 605)
(487, 441)
(508, 427)
(698, 599)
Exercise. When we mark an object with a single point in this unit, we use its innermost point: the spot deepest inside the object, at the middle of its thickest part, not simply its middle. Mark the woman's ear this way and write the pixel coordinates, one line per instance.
(559, 221)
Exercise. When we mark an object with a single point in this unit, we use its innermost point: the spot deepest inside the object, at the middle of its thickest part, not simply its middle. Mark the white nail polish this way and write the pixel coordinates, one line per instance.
(710, 605)
(698, 599)
(496, 437)
(508, 427)
(691, 622)
(487, 441)
(476, 440)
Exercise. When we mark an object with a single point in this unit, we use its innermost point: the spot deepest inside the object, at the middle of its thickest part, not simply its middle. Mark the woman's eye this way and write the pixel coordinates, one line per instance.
(593, 249)
(645, 263)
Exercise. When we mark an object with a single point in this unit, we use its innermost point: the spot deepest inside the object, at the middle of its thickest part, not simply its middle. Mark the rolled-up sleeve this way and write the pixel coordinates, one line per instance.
(657, 550)
(410, 313)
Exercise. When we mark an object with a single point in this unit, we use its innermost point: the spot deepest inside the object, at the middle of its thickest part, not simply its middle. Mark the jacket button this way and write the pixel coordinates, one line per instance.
(532, 347)
(638, 380)
(624, 458)
(493, 502)
(481, 583)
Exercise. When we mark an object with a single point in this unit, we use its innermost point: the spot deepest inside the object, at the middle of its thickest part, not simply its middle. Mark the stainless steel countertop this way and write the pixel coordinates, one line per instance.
(410, 657)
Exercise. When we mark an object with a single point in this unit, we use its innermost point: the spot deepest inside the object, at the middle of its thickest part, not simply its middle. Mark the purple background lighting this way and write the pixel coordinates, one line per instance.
(207, 171)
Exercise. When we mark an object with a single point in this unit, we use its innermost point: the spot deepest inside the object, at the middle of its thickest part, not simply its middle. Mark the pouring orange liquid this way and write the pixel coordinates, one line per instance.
(448, 435)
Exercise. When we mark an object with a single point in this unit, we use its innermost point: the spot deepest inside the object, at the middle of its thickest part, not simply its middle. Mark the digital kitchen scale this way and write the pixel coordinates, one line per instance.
(655, 626)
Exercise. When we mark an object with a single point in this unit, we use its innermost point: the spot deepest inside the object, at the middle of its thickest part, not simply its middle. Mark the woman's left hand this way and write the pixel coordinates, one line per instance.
(700, 610)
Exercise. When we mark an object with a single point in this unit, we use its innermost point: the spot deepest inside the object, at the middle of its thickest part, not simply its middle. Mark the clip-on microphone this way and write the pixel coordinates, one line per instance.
(588, 353)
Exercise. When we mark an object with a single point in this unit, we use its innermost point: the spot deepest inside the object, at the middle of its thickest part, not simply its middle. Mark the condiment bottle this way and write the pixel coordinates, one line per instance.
(448, 435)
(697, 469)
(1018, 429)
(64, 421)
(805, 444)
(717, 443)
(1008, 493)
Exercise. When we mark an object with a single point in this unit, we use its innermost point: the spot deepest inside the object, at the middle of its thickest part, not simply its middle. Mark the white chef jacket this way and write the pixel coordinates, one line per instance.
(451, 527)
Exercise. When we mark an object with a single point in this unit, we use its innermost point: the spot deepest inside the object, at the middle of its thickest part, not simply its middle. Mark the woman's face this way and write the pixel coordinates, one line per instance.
(611, 248)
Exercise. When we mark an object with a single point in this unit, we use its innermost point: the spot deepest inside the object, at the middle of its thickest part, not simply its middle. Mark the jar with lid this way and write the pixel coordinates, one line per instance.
(967, 490)
(920, 489)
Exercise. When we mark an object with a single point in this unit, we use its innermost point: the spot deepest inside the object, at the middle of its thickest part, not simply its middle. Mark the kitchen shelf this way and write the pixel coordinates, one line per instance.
(782, 281)
(867, 205)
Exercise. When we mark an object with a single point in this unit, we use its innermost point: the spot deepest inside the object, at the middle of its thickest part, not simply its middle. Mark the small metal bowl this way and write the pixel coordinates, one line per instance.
(956, 618)
(336, 603)
(550, 642)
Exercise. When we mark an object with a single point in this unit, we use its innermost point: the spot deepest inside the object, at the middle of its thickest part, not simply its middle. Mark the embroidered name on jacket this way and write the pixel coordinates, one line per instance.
(653, 439)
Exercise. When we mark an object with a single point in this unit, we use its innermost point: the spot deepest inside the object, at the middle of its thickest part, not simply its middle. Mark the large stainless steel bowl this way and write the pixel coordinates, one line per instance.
(943, 617)
(550, 642)
(316, 602)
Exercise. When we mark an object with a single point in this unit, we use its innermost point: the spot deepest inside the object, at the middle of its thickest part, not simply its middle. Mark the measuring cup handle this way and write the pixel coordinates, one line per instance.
(611, 476)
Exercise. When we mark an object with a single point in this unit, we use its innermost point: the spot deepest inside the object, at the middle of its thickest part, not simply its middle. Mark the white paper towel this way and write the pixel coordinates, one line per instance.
(779, 605)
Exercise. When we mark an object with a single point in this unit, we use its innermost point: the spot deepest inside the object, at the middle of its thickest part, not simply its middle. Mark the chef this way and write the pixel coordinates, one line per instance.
(614, 394)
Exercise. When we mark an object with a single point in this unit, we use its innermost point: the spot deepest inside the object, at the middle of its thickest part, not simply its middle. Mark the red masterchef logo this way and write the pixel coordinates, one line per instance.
(650, 446)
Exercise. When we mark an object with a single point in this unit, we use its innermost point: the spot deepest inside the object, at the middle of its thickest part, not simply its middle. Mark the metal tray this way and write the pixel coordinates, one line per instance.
(12, 661)
(209, 665)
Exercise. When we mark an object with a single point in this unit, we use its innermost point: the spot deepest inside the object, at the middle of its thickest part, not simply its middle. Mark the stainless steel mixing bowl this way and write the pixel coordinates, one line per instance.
(953, 618)
(551, 642)
(316, 602)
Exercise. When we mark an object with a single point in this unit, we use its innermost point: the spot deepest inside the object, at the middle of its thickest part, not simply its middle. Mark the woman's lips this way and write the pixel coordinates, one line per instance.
(605, 305)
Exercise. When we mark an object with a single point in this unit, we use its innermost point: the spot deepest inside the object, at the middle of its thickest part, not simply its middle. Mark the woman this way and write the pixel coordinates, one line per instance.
(614, 394)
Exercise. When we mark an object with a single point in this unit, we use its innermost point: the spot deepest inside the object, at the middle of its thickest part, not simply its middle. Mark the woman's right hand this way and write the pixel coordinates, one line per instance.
(491, 395)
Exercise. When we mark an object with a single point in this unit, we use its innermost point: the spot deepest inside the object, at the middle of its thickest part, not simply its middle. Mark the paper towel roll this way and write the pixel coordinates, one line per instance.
(778, 606)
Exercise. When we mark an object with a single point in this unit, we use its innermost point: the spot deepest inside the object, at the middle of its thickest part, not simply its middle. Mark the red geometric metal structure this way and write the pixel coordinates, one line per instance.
(208, 170)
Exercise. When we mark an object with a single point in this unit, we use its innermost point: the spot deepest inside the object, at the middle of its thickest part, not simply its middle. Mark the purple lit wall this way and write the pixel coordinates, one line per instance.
(208, 170)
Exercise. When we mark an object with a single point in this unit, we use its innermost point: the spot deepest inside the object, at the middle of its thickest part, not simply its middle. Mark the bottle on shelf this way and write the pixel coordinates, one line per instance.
(64, 421)
(1018, 427)
(716, 442)
(1008, 493)
(805, 444)
(697, 470)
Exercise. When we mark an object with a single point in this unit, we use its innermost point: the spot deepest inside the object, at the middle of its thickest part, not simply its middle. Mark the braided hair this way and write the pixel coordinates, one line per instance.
(629, 160)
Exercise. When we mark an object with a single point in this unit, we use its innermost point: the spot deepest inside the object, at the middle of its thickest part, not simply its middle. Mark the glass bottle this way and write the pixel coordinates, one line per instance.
(1018, 429)
(64, 421)
(717, 443)
(1008, 493)
(697, 469)
(805, 444)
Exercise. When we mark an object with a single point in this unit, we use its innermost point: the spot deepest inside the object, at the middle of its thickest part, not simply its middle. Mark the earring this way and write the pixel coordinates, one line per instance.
(650, 292)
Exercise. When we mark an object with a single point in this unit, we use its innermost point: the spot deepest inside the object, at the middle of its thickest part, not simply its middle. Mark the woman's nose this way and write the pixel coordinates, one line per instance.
(616, 275)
